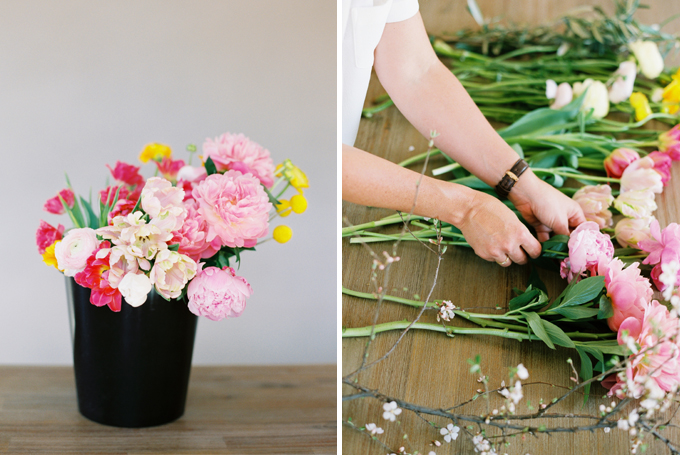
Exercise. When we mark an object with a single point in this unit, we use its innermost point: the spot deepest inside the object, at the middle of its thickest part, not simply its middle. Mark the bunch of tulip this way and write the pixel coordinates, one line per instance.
(176, 233)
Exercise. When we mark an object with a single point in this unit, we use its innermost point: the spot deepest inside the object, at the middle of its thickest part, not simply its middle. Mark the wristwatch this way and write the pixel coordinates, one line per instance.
(510, 178)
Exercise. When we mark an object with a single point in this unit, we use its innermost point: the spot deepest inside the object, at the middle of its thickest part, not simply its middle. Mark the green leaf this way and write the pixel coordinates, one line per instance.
(576, 312)
(473, 182)
(606, 308)
(535, 280)
(210, 167)
(222, 259)
(92, 219)
(77, 222)
(586, 371)
(583, 291)
(605, 346)
(271, 197)
(174, 247)
(536, 324)
(557, 335)
(522, 299)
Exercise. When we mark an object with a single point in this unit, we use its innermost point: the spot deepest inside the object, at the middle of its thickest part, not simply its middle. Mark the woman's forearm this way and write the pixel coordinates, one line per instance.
(373, 181)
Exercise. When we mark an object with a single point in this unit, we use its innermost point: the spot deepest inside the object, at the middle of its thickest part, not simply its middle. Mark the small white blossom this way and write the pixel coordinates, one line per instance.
(522, 372)
(515, 393)
(446, 311)
(450, 433)
(373, 428)
(411, 148)
(606, 429)
(391, 411)
(669, 276)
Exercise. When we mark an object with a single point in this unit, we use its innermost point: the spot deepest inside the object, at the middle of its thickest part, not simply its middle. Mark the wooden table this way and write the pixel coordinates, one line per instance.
(428, 368)
(229, 410)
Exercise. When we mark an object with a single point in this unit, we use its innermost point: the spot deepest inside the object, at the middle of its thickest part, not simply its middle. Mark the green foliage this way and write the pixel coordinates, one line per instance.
(210, 167)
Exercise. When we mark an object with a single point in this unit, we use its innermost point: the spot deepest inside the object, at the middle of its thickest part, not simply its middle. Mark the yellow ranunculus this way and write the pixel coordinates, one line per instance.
(641, 105)
(293, 174)
(48, 256)
(282, 233)
(298, 203)
(154, 152)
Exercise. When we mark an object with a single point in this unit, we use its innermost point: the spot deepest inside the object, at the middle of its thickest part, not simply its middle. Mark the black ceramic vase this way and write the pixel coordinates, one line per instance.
(131, 367)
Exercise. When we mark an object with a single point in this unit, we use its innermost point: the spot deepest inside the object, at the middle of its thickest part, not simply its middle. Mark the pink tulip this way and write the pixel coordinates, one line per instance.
(55, 206)
(47, 235)
(171, 272)
(618, 161)
(169, 168)
(630, 231)
(126, 173)
(595, 201)
(669, 143)
(640, 175)
(662, 165)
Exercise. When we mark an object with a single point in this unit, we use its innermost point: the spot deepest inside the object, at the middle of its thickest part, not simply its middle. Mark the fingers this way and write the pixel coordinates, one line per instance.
(533, 246)
(576, 216)
(504, 261)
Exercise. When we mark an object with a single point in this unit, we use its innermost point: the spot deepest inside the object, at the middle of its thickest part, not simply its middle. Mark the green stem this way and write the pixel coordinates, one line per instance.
(419, 157)
(392, 219)
(401, 325)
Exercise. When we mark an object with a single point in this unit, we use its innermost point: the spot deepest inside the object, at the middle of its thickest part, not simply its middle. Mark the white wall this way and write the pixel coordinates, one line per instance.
(84, 83)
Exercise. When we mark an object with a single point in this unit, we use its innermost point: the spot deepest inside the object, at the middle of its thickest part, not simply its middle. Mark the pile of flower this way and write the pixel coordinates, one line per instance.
(176, 234)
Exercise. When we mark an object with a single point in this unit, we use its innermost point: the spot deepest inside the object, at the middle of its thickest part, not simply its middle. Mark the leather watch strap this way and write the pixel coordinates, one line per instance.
(510, 178)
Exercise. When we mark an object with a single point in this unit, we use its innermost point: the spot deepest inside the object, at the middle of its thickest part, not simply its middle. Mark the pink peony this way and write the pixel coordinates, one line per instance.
(659, 356)
(126, 173)
(191, 236)
(628, 291)
(235, 207)
(669, 143)
(237, 152)
(169, 168)
(47, 235)
(218, 293)
(55, 206)
(164, 203)
(74, 249)
(630, 231)
(595, 201)
(618, 161)
(171, 272)
(95, 277)
(636, 204)
(663, 246)
(641, 176)
(662, 165)
(587, 247)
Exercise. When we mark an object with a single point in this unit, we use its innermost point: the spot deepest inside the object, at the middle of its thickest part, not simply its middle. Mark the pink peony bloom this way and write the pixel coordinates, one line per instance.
(55, 206)
(192, 235)
(47, 235)
(95, 277)
(218, 293)
(164, 203)
(126, 173)
(235, 207)
(74, 249)
(628, 291)
(171, 272)
(618, 161)
(169, 167)
(237, 152)
(659, 356)
(663, 246)
(595, 201)
(641, 176)
(630, 231)
(662, 165)
(669, 143)
(635, 204)
(587, 247)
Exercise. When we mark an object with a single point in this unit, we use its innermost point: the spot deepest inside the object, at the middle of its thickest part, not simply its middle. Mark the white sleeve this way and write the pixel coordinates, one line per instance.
(402, 10)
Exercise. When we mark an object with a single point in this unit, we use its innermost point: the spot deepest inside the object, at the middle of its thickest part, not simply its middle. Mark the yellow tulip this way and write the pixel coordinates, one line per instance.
(671, 95)
(48, 256)
(641, 105)
(154, 152)
(298, 203)
(282, 233)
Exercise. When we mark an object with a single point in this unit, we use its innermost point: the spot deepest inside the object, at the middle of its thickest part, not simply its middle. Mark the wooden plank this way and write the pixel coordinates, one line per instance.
(431, 369)
(230, 410)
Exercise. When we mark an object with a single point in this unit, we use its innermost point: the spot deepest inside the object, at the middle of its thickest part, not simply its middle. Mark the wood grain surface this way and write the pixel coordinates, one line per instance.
(229, 410)
(431, 369)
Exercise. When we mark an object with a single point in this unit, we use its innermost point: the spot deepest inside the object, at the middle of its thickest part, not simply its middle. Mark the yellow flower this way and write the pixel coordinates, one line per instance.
(293, 174)
(298, 203)
(282, 233)
(154, 152)
(48, 256)
(641, 105)
(283, 208)
(671, 95)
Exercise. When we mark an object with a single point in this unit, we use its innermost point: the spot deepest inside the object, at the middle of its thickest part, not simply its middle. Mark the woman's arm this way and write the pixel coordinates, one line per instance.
(432, 98)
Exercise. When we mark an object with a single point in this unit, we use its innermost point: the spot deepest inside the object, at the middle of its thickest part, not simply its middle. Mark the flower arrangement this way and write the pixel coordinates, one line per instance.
(178, 232)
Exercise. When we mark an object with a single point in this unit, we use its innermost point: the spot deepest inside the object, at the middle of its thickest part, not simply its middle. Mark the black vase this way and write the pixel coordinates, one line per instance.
(131, 367)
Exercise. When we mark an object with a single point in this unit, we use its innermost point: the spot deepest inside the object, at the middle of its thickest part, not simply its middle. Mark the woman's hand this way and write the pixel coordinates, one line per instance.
(495, 233)
(544, 207)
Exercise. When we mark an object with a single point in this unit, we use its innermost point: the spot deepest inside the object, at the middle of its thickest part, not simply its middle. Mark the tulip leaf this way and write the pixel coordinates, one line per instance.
(536, 324)
(210, 167)
(92, 220)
